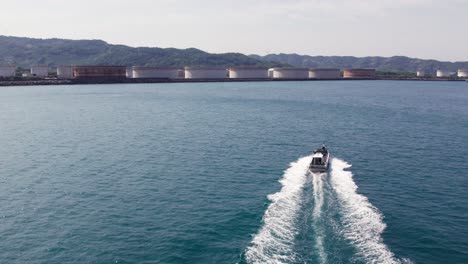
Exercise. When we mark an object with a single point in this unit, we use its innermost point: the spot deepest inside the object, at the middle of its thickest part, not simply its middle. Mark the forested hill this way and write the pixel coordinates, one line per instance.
(396, 63)
(25, 52)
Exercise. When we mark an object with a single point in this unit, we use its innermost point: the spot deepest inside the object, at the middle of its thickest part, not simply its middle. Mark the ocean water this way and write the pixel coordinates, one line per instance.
(216, 173)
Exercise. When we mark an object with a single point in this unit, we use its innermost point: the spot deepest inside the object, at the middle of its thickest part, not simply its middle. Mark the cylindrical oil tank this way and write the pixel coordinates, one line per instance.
(359, 73)
(65, 72)
(462, 73)
(129, 72)
(442, 73)
(290, 73)
(420, 73)
(270, 73)
(40, 71)
(99, 72)
(205, 73)
(155, 72)
(7, 71)
(248, 72)
(324, 73)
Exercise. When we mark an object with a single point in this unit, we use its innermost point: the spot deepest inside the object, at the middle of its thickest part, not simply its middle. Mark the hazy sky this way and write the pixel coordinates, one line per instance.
(415, 28)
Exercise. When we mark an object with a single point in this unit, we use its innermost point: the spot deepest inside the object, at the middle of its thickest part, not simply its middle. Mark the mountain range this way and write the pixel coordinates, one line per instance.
(25, 52)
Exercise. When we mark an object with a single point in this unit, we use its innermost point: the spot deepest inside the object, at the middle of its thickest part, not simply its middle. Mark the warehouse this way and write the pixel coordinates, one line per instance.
(324, 73)
(65, 72)
(40, 71)
(99, 72)
(205, 73)
(442, 73)
(290, 73)
(463, 73)
(248, 72)
(155, 72)
(359, 73)
(7, 71)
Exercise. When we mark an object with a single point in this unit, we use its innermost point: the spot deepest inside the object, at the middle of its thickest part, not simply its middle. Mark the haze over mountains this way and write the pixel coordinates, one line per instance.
(25, 52)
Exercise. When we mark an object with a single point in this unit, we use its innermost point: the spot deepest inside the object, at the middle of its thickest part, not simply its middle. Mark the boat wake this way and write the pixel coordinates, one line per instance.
(320, 224)
(362, 222)
(317, 182)
(274, 243)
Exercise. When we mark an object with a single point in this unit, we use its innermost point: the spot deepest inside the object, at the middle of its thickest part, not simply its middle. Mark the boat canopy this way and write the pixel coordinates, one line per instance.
(318, 155)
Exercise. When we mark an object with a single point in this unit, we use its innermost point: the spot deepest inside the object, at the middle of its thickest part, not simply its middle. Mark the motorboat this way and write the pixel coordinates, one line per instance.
(320, 160)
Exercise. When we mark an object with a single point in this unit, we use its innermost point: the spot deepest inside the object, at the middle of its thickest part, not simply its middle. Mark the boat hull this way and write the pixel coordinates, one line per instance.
(318, 169)
(321, 168)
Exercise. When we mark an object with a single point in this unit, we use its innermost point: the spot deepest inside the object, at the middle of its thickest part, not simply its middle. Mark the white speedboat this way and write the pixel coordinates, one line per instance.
(320, 160)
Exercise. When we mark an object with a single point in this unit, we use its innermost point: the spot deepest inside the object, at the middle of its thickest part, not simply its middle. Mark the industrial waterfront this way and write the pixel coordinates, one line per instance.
(40, 75)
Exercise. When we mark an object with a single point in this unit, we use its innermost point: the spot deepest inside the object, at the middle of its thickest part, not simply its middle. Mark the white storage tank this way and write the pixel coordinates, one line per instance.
(40, 71)
(65, 72)
(420, 73)
(155, 72)
(129, 72)
(7, 71)
(248, 72)
(462, 73)
(442, 73)
(270, 73)
(290, 73)
(205, 73)
(324, 73)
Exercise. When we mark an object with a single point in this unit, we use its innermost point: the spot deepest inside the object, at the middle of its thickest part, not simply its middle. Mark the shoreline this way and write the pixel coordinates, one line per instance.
(37, 82)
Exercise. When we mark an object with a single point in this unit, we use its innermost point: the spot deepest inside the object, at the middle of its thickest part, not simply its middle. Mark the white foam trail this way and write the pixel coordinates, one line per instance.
(318, 194)
(363, 223)
(274, 243)
(318, 205)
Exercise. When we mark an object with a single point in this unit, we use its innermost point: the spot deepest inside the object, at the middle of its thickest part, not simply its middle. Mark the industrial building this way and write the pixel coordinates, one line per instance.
(324, 73)
(205, 73)
(359, 73)
(442, 73)
(7, 71)
(290, 73)
(420, 73)
(99, 72)
(40, 71)
(248, 72)
(65, 72)
(462, 73)
(155, 72)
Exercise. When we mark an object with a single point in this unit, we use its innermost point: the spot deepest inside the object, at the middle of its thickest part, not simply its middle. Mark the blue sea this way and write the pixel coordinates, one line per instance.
(217, 173)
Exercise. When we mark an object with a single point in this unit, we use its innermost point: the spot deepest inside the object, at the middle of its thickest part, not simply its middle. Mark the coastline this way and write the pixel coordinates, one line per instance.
(40, 82)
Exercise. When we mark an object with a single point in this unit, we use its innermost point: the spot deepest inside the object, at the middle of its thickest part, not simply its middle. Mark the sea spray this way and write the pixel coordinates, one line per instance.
(362, 222)
(274, 243)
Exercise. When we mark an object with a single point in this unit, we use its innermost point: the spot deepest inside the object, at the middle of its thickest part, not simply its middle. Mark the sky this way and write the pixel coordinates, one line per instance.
(426, 29)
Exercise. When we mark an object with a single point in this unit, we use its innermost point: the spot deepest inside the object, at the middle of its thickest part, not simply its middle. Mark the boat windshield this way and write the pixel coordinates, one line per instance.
(317, 161)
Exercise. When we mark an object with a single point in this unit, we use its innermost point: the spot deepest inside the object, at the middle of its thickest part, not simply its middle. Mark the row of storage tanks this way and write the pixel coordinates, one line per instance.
(461, 73)
(240, 72)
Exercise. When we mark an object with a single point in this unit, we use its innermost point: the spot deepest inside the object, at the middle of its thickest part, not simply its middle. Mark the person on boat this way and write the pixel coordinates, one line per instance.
(324, 149)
